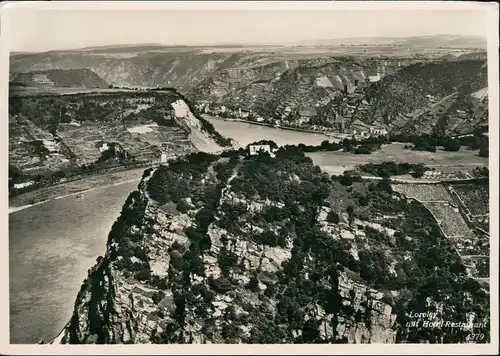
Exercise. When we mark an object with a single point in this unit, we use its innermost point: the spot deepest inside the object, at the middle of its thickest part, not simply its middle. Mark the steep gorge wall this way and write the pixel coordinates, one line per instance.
(213, 249)
(115, 305)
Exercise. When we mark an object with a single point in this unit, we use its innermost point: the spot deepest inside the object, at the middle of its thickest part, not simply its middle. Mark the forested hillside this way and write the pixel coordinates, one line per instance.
(235, 249)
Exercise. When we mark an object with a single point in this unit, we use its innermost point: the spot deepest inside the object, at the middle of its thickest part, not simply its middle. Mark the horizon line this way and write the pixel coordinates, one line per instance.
(247, 44)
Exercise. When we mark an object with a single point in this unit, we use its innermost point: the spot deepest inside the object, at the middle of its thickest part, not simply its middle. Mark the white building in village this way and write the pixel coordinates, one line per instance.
(23, 185)
(432, 174)
(254, 150)
(374, 78)
(378, 131)
(103, 147)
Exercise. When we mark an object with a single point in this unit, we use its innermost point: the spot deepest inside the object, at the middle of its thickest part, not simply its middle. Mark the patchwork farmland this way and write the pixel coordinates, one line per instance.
(449, 219)
(424, 192)
(146, 146)
(48, 133)
(453, 207)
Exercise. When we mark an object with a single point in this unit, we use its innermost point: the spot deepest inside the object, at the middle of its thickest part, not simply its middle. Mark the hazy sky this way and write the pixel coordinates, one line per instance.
(41, 30)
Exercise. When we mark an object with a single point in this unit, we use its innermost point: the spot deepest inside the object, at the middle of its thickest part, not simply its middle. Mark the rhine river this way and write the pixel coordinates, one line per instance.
(51, 248)
(52, 245)
(245, 133)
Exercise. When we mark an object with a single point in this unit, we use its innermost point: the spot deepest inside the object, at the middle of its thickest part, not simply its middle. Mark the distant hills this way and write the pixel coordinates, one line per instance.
(381, 80)
(410, 88)
(452, 41)
(338, 92)
(441, 40)
(59, 78)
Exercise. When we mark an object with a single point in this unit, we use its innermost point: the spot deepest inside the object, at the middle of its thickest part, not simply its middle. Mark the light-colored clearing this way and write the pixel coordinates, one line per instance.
(142, 129)
(201, 140)
(337, 162)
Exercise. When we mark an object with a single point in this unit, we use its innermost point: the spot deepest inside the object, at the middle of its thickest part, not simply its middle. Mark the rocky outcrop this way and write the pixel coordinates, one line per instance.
(117, 305)
(212, 249)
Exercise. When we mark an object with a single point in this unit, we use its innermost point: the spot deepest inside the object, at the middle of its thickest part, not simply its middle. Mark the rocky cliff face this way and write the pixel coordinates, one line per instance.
(180, 68)
(206, 252)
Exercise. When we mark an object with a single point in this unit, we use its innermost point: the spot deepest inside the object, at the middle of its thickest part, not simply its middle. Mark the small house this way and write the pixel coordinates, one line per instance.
(256, 149)
(374, 77)
(23, 185)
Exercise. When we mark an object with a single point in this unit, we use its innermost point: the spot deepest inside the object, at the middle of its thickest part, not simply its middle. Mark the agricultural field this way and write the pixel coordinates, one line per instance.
(336, 162)
(112, 177)
(475, 197)
(424, 192)
(82, 140)
(449, 219)
(33, 149)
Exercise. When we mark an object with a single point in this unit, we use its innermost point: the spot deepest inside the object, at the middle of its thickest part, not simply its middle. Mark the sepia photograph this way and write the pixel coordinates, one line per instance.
(268, 173)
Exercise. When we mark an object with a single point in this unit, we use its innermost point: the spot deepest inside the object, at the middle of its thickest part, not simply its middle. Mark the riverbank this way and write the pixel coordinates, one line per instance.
(247, 132)
(56, 241)
(43, 195)
(284, 127)
(327, 134)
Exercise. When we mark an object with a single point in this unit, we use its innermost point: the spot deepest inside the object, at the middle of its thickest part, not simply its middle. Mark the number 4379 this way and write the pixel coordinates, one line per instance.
(475, 337)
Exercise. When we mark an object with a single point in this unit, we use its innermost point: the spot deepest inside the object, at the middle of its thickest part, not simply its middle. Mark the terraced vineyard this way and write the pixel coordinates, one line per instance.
(475, 197)
(424, 192)
(51, 132)
(449, 219)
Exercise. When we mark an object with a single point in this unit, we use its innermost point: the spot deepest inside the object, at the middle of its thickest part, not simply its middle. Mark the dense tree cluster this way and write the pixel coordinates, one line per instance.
(389, 168)
(430, 142)
(181, 178)
(291, 177)
(311, 275)
(482, 172)
(363, 146)
(347, 178)
(159, 114)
